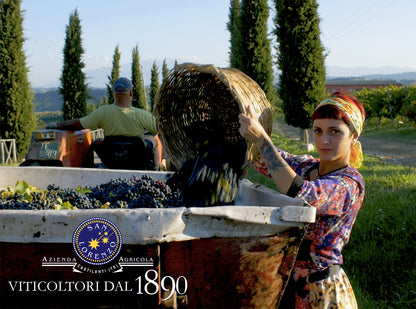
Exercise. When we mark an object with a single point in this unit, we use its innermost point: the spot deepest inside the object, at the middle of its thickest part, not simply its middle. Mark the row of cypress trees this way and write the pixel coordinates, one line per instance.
(299, 54)
(139, 92)
(17, 120)
(74, 88)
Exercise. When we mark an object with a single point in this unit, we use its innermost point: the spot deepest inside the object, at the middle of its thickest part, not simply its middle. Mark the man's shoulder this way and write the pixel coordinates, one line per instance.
(103, 108)
(107, 106)
(140, 110)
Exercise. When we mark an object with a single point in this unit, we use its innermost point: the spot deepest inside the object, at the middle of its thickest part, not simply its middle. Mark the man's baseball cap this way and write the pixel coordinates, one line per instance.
(122, 85)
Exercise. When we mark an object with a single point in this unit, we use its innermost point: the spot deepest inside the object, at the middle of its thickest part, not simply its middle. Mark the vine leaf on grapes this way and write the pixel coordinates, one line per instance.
(65, 205)
(106, 205)
(23, 189)
(83, 190)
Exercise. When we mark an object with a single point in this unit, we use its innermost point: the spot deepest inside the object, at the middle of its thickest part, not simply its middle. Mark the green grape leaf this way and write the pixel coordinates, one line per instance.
(106, 205)
(23, 187)
(68, 205)
(82, 190)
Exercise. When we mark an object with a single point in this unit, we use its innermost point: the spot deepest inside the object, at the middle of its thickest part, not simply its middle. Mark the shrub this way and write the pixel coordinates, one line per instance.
(390, 101)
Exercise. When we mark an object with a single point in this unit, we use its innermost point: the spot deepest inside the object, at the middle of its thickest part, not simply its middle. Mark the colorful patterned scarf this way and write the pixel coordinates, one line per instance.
(357, 119)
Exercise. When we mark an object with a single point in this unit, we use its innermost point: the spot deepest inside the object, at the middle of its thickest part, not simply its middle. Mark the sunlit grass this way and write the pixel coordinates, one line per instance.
(398, 130)
(381, 255)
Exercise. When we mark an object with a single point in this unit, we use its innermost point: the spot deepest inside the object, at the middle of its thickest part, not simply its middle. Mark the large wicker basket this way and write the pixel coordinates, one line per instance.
(200, 102)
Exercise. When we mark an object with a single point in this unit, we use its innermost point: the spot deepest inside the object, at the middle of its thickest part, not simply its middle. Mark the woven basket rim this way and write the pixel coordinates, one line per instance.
(230, 78)
(211, 69)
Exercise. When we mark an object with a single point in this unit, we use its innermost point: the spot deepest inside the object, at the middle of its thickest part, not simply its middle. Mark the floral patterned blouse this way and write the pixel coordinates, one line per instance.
(337, 197)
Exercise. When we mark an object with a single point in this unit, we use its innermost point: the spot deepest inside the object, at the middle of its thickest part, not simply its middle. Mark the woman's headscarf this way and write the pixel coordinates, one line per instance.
(354, 114)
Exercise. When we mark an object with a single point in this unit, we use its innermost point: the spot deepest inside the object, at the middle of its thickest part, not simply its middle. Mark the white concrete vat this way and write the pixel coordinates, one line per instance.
(259, 211)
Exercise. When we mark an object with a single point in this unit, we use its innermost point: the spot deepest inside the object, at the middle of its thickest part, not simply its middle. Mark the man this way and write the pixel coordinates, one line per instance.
(125, 143)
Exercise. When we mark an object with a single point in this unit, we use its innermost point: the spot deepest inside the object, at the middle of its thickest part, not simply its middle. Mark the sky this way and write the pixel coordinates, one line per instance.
(360, 37)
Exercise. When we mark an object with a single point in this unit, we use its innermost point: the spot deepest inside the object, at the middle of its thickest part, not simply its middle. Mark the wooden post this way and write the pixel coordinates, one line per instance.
(8, 152)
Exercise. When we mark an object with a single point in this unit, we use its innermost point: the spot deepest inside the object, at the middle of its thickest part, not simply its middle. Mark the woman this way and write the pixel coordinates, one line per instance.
(332, 184)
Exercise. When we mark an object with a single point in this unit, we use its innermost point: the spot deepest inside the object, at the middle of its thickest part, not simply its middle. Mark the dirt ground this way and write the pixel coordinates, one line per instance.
(387, 150)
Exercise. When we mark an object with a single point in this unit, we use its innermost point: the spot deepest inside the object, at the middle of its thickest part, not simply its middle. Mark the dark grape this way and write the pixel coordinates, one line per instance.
(212, 177)
(135, 192)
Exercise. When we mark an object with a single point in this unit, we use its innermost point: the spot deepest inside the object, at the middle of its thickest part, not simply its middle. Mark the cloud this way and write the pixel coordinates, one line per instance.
(93, 62)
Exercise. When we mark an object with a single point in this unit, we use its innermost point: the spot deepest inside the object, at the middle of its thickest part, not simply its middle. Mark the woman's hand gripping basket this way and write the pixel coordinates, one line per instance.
(197, 110)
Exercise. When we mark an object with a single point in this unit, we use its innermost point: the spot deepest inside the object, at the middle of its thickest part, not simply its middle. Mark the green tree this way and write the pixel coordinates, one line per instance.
(103, 101)
(73, 88)
(91, 107)
(139, 91)
(154, 85)
(16, 107)
(254, 45)
(115, 74)
(301, 61)
(234, 27)
(165, 70)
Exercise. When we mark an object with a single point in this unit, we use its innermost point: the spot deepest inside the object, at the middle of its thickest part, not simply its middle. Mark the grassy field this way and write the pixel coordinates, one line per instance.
(380, 258)
(399, 131)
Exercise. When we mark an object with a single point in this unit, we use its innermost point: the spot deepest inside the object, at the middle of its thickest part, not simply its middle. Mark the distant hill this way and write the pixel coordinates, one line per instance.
(50, 100)
(405, 78)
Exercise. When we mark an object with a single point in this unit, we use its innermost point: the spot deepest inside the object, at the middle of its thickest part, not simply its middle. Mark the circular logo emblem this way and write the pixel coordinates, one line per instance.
(97, 241)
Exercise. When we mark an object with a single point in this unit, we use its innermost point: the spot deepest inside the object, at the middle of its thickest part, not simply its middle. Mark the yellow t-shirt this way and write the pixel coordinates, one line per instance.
(115, 120)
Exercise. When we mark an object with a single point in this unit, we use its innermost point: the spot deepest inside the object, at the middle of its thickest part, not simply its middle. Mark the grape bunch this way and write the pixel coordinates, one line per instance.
(135, 192)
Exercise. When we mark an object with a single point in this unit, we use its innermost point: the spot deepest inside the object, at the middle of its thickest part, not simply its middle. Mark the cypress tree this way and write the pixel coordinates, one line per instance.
(154, 85)
(115, 74)
(102, 102)
(73, 88)
(139, 91)
(234, 28)
(16, 107)
(301, 61)
(255, 45)
(165, 70)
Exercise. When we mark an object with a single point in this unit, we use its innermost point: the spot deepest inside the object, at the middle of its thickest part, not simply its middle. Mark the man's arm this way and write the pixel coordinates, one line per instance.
(74, 125)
